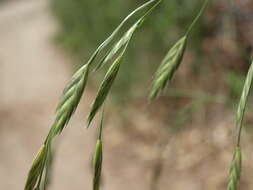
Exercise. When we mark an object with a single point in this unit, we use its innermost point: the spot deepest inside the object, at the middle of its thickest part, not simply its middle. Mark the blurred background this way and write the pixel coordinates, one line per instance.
(183, 140)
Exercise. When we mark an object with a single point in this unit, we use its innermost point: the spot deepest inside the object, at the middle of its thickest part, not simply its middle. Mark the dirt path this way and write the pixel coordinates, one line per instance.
(33, 73)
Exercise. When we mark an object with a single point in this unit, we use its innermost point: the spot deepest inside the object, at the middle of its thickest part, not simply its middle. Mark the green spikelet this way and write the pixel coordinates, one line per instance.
(235, 170)
(104, 88)
(36, 170)
(168, 67)
(97, 165)
(70, 99)
(68, 103)
(123, 42)
(113, 70)
(172, 60)
(98, 159)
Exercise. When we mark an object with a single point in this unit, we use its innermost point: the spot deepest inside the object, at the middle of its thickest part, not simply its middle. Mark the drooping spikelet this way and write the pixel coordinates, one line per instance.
(98, 159)
(104, 88)
(235, 170)
(168, 67)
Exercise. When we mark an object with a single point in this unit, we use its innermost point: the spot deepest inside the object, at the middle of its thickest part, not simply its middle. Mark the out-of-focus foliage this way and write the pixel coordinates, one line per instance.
(84, 24)
(235, 82)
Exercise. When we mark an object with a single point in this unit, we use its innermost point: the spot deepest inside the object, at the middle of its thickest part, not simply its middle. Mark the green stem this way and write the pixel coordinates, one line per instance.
(148, 13)
(197, 17)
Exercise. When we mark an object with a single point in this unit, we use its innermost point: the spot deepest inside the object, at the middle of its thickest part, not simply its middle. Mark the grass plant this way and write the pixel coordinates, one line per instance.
(72, 94)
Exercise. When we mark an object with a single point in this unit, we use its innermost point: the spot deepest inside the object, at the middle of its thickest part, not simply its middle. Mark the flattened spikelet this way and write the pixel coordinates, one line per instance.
(36, 169)
(98, 159)
(70, 99)
(104, 88)
(235, 170)
(117, 46)
(113, 70)
(173, 59)
(97, 165)
(168, 67)
(66, 107)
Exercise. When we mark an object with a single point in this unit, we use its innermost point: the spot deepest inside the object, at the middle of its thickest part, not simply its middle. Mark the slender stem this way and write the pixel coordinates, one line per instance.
(122, 23)
(101, 127)
(148, 12)
(243, 102)
(197, 17)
